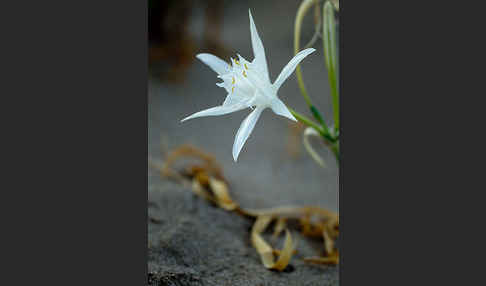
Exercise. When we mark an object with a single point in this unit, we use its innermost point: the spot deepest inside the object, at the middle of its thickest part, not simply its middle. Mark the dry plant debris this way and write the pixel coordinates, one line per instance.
(206, 180)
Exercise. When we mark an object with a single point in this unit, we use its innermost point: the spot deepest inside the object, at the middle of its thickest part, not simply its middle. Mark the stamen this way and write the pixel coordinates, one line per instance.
(237, 62)
(232, 89)
(244, 73)
(246, 67)
(233, 82)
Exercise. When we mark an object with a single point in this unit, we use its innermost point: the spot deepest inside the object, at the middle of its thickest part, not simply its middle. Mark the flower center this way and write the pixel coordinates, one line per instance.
(236, 80)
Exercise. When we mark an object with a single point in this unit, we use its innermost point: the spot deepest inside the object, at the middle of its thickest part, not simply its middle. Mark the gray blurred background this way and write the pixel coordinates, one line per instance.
(273, 168)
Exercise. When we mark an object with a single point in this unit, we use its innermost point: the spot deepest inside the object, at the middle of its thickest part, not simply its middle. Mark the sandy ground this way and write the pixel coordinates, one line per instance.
(195, 243)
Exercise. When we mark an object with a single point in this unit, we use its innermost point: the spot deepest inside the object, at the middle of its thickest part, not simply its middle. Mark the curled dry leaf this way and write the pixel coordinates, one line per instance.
(331, 259)
(265, 250)
(220, 191)
(206, 180)
(328, 242)
(279, 226)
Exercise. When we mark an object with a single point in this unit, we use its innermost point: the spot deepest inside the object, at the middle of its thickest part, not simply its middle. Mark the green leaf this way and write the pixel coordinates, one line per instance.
(330, 55)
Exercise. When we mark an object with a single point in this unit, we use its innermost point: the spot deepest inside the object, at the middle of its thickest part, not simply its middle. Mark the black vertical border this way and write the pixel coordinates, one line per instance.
(76, 205)
(388, 192)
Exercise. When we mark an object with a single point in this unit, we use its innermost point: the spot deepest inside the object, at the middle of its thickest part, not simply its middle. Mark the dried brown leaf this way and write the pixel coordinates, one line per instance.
(328, 242)
(266, 251)
(206, 180)
(332, 259)
(279, 226)
(220, 191)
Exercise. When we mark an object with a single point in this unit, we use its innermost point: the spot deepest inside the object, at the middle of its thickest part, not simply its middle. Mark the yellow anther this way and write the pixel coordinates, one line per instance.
(233, 82)
(246, 67)
(244, 73)
(237, 62)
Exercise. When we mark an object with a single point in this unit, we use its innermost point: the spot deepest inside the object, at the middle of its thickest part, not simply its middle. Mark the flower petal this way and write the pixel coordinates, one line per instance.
(235, 98)
(258, 50)
(245, 130)
(290, 67)
(216, 64)
(218, 110)
(279, 108)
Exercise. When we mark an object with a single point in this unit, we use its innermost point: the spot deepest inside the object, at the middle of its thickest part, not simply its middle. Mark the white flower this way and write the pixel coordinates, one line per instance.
(248, 85)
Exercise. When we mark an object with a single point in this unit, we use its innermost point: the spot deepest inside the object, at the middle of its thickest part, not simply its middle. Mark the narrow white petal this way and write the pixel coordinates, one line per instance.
(218, 110)
(245, 130)
(232, 99)
(258, 50)
(279, 108)
(216, 64)
(290, 67)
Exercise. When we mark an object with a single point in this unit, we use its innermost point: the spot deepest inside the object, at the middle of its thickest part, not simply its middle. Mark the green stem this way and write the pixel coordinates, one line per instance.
(304, 6)
(331, 142)
(330, 55)
(306, 120)
(323, 130)
(335, 150)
